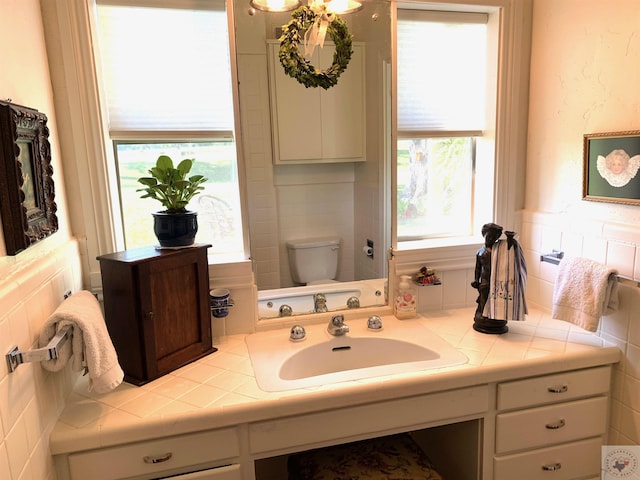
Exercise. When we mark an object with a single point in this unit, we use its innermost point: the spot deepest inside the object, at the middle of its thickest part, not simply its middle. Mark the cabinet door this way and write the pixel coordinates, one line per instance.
(314, 125)
(177, 318)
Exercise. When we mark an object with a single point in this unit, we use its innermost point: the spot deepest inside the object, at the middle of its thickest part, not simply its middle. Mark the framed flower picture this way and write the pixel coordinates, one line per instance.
(611, 164)
(27, 197)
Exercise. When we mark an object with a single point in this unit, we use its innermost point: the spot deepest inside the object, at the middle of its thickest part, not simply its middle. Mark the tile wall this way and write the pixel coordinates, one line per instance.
(31, 399)
(611, 244)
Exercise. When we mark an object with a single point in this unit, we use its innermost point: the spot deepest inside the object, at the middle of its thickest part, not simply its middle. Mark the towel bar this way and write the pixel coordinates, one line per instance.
(554, 257)
(15, 357)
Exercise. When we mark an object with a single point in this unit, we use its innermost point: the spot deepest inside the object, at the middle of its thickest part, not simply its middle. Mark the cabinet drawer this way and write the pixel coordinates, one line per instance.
(553, 388)
(172, 454)
(551, 424)
(306, 430)
(230, 472)
(564, 462)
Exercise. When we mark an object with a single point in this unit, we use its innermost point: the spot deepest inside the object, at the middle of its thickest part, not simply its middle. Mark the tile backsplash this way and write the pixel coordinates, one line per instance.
(617, 246)
(32, 399)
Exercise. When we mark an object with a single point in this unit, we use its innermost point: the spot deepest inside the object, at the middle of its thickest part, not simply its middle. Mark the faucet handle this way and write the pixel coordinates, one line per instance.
(297, 333)
(374, 323)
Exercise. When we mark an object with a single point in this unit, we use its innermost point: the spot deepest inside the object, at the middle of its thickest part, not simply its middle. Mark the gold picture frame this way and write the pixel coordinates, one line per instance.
(611, 163)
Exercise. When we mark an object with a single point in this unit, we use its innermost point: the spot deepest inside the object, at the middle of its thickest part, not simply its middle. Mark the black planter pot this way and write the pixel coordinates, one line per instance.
(175, 229)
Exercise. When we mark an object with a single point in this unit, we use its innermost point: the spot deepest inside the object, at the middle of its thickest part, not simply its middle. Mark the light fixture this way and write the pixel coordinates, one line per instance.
(344, 6)
(275, 5)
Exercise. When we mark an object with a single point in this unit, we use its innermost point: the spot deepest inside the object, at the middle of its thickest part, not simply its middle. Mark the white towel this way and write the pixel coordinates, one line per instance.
(508, 282)
(584, 291)
(90, 344)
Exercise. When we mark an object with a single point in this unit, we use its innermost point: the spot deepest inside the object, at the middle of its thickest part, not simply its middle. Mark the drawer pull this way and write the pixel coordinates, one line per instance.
(160, 459)
(558, 389)
(551, 467)
(556, 425)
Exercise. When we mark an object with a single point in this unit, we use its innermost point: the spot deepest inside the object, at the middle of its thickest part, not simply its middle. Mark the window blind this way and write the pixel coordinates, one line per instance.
(442, 61)
(165, 68)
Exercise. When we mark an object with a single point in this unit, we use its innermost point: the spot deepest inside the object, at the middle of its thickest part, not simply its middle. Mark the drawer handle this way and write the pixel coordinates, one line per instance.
(551, 467)
(160, 459)
(554, 426)
(558, 389)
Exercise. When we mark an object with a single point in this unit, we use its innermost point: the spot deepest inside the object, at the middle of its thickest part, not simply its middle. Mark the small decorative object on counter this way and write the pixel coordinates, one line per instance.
(501, 279)
(405, 301)
(427, 276)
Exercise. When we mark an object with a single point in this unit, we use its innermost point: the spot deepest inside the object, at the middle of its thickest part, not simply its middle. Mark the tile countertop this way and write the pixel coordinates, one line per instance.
(220, 389)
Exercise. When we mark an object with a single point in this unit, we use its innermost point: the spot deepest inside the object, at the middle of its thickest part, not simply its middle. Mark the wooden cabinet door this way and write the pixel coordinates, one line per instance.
(178, 327)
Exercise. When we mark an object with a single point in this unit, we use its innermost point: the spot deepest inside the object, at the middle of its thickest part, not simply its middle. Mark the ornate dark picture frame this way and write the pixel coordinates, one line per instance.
(611, 164)
(27, 194)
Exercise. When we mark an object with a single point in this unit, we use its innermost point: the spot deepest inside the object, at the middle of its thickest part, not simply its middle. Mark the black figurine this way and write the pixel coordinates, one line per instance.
(482, 282)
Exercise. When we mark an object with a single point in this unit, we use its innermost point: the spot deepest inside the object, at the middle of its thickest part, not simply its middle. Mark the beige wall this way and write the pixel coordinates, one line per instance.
(584, 78)
(585, 74)
(32, 283)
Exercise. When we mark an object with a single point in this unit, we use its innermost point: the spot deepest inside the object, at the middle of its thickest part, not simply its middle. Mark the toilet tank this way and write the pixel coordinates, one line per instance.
(313, 259)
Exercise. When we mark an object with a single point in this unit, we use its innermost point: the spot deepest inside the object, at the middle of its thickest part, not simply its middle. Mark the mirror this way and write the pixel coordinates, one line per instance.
(341, 198)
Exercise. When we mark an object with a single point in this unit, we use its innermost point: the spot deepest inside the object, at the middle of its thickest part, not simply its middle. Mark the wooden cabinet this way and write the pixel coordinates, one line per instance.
(314, 125)
(156, 305)
(552, 426)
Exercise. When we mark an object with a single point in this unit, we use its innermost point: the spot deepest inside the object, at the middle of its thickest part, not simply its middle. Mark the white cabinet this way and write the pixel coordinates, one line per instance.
(552, 426)
(314, 125)
(209, 455)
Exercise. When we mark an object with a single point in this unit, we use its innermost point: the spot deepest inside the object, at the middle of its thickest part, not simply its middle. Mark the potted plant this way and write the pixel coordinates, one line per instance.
(175, 226)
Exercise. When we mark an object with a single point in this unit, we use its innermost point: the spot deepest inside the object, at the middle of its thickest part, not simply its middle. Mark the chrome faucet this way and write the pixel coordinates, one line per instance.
(320, 303)
(337, 326)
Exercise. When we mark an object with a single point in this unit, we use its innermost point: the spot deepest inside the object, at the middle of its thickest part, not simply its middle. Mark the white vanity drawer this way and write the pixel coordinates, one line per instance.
(171, 455)
(554, 388)
(564, 462)
(230, 472)
(303, 431)
(551, 424)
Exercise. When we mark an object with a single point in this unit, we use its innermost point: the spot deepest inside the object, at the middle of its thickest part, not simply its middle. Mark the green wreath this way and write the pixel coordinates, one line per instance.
(298, 67)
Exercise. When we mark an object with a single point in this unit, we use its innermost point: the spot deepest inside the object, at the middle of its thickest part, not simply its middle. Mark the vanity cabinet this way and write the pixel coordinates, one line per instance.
(314, 125)
(212, 455)
(156, 305)
(552, 426)
(522, 422)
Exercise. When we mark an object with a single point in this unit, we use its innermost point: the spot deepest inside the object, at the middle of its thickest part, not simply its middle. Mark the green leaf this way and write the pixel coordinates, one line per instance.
(149, 181)
(184, 166)
(164, 163)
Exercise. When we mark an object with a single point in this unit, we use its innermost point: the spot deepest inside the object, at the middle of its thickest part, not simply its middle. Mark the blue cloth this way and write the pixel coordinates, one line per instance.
(508, 282)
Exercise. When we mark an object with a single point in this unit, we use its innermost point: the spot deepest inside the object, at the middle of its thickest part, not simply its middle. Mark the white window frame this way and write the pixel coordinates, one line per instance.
(510, 23)
(85, 138)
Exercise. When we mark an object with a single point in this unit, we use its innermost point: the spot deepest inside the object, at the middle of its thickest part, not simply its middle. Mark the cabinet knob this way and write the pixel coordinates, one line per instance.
(558, 389)
(551, 467)
(158, 459)
(556, 425)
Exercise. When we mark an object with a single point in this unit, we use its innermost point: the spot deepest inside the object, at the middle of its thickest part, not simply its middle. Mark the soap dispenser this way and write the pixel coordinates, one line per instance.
(405, 305)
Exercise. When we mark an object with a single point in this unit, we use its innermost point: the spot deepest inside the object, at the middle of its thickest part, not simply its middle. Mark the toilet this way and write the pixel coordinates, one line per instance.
(313, 260)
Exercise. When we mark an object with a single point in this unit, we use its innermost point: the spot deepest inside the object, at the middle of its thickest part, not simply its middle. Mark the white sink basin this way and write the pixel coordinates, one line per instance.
(320, 359)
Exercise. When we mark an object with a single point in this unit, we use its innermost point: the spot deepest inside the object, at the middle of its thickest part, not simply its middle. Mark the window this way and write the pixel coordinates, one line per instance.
(166, 76)
(442, 72)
